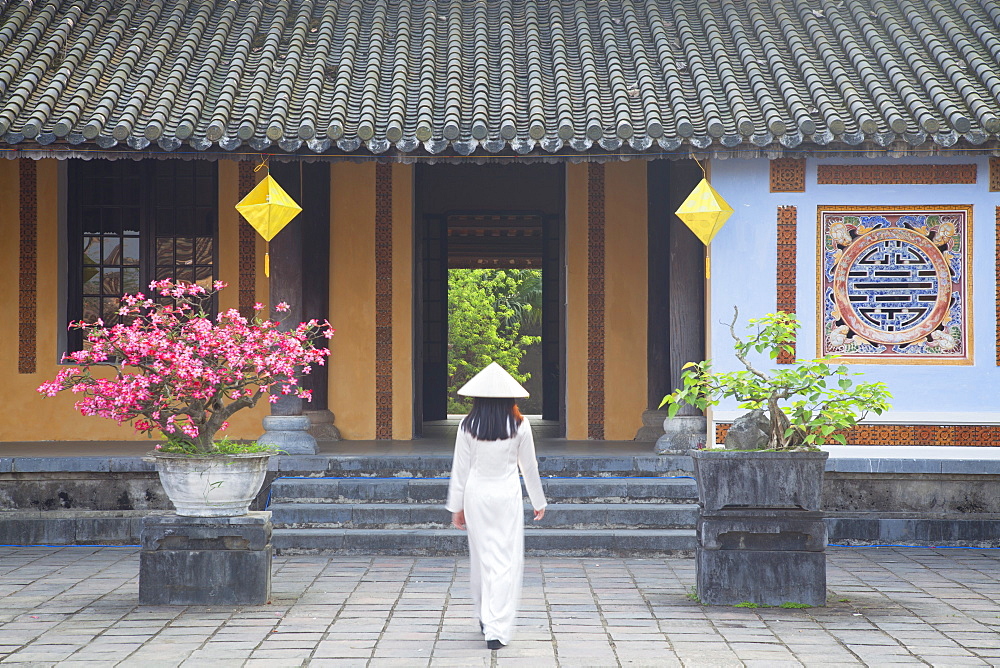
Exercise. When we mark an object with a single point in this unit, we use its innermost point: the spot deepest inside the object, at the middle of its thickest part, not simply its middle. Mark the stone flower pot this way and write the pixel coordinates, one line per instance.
(730, 479)
(212, 485)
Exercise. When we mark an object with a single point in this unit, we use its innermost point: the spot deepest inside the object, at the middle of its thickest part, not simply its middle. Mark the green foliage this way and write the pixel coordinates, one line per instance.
(748, 604)
(820, 398)
(487, 309)
(693, 595)
(184, 446)
(788, 605)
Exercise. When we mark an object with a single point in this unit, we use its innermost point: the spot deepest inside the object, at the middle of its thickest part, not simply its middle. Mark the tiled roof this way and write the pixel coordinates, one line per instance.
(490, 76)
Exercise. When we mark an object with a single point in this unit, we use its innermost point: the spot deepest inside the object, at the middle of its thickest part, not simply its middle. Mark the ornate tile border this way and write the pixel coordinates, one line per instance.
(994, 175)
(894, 285)
(247, 247)
(787, 223)
(788, 175)
(595, 301)
(27, 302)
(910, 434)
(383, 301)
(849, 175)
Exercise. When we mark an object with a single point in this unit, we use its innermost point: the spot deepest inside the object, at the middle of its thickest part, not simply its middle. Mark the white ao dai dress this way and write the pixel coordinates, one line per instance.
(485, 483)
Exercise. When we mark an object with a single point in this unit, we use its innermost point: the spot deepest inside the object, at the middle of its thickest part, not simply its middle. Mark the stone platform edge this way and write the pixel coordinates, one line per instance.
(292, 463)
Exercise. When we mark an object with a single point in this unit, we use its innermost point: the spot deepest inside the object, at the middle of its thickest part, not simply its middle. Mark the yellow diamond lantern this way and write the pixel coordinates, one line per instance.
(268, 208)
(704, 211)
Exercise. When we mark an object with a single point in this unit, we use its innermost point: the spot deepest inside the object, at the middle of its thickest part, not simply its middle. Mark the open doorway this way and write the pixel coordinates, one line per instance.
(489, 263)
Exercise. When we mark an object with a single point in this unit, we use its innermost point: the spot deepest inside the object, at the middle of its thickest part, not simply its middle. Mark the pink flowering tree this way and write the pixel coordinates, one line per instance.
(178, 372)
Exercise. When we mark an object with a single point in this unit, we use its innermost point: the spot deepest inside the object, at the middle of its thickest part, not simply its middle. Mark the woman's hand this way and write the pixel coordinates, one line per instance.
(458, 520)
(539, 514)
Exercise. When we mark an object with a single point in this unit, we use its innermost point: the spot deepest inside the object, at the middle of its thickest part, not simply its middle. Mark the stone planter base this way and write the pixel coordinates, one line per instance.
(770, 577)
(205, 560)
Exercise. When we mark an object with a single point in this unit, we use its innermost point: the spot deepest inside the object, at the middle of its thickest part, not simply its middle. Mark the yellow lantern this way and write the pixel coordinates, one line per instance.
(705, 212)
(268, 209)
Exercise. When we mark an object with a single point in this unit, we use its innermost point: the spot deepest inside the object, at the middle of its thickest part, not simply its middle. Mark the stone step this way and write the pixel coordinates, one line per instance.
(439, 465)
(435, 490)
(427, 542)
(424, 516)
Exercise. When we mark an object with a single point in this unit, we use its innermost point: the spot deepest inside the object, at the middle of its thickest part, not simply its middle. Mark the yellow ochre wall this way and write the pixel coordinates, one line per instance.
(31, 417)
(352, 299)
(625, 299)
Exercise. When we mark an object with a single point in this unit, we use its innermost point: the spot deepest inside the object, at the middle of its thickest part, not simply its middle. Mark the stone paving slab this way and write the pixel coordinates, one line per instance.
(77, 606)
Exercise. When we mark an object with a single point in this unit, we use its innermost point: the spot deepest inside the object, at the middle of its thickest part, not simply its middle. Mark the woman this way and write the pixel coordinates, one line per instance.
(484, 497)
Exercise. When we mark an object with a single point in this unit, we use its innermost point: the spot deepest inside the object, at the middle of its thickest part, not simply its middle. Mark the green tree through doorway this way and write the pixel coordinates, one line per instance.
(494, 315)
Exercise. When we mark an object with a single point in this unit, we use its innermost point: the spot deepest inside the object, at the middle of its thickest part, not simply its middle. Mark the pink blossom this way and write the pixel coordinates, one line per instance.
(177, 371)
(281, 307)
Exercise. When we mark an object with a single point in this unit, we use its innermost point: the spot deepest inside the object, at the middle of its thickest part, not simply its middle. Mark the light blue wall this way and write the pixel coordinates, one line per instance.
(744, 256)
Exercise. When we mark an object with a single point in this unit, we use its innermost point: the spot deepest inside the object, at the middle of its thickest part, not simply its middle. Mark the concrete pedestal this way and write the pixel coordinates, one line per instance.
(289, 434)
(764, 577)
(205, 560)
(683, 433)
(763, 556)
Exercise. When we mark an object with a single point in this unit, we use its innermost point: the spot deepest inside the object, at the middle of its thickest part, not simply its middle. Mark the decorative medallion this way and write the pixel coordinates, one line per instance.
(383, 301)
(595, 301)
(28, 267)
(850, 175)
(787, 248)
(788, 175)
(895, 284)
(247, 247)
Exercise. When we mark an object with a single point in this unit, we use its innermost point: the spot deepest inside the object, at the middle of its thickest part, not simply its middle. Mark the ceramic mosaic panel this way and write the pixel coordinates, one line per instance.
(247, 246)
(595, 301)
(909, 434)
(28, 267)
(997, 277)
(855, 175)
(788, 175)
(383, 301)
(894, 285)
(787, 223)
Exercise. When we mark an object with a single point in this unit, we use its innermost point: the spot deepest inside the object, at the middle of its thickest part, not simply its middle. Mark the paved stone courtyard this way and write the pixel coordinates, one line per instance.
(76, 606)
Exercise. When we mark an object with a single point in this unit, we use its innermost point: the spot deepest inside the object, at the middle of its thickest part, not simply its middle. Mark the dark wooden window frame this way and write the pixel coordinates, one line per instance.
(145, 176)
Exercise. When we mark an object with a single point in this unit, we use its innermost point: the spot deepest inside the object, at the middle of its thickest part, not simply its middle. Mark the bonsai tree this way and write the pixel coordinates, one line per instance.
(808, 403)
(174, 370)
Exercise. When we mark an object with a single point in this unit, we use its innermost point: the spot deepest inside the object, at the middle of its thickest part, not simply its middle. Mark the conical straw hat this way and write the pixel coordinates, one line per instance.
(493, 381)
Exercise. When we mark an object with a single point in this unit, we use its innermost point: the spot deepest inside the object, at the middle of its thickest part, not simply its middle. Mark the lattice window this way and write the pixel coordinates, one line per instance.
(133, 222)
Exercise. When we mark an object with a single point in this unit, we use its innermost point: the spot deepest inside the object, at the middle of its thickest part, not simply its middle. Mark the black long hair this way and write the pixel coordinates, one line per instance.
(492, 418)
